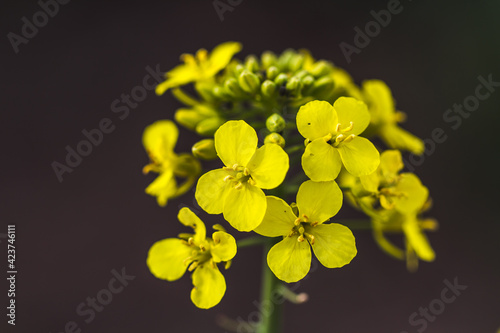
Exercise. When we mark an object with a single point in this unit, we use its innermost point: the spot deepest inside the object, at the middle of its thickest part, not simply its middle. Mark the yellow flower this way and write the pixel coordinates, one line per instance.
(159, 140)
(385, 119)
(236, 189)
(333, 132)
(199, 67)
(169, 259)
(302, 227)
(412, 226)
(403, 192)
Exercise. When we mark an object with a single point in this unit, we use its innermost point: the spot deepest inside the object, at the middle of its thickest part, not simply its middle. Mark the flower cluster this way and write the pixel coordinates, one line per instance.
(282, 127)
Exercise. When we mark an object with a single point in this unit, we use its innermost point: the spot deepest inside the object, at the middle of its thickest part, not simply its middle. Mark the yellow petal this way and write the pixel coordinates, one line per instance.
(211, 190)
(370, 182)
(352, 110)
(166, 259)
(235, 142)
(224, 247)
(391, 163)
(268, 166)
(222, 54)
(319, 201)
(278, 220)
(397, 138)
(164, 187)
(159, 140)
(334, 244)
(360, 157)
(320, 161)
(189, 219)
(178, 76)
(316, 119)
(414, 194)
(290, 260)
(209, 286)
(417, 239)
(381, 102)
(244, 208)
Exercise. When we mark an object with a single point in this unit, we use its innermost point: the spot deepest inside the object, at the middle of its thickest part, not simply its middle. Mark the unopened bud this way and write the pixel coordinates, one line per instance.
(272, 72)
(232, 87)
(204, 149)
(187, 166)
(293, 86)
(268, 88)
(275, 123)
(268, 59)
(252, 64)
(321, 68)
(276, 139)
(323, 87)
(208, 126)
(281, 79)
(249, 82)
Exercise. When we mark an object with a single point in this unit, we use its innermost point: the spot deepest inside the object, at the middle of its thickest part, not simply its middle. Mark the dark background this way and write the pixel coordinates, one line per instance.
(70, 235)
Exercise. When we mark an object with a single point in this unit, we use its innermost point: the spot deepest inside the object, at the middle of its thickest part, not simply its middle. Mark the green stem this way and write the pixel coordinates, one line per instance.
(252, 241)
(271, 312)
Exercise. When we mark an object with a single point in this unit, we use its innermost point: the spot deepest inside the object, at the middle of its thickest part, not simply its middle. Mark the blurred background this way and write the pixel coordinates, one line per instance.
(72, 234)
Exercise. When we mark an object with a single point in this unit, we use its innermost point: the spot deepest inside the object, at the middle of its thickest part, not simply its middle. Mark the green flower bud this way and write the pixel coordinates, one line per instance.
(295, 63)
(252, 64)
(294, 85)
(284, 59)
(276, 139)
(307, 82)
(208, 126)
(272, 72)
(268, 88)
(205, 90)
(301, 74)
(189, 118)
(275, 123)
(322, 88)
(238, 69)
(249, 82)
(281, 79)
(204, 149)
(321, 68)
(232, 87)
(187, 166)
(268, 59)
(221, 93)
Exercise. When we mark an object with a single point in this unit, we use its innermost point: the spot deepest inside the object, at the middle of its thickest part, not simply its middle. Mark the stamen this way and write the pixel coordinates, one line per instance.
(339, 138)
(239, 186)
(300, 239)
(305, 218)
(251, 182)
(202, 248)
(193, 266)
(348, 128)
(228, 177)
(349, 138)
(337, 129)
(188, 259)
(328, 137)
(310, 237)
(191, 241)
(246, 172)
(297, 221)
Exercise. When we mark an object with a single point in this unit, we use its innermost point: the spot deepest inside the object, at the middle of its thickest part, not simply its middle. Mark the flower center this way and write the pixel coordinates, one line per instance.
(240, 176)
(341, 135)
(299, 229)
(200, 254)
